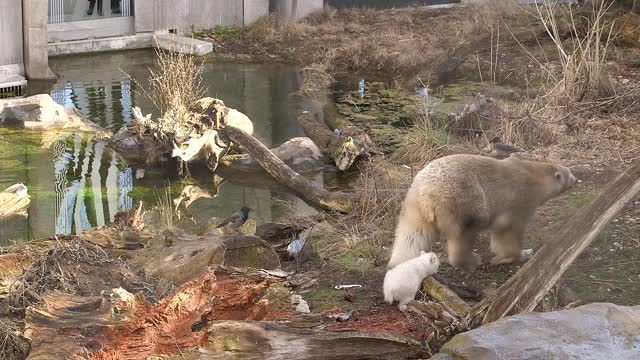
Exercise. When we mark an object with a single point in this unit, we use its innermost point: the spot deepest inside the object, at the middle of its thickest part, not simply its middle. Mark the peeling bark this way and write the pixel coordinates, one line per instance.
(197, 316)
(121, 325)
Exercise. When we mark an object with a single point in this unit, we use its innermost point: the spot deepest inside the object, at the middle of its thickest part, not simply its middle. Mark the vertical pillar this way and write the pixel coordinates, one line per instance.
(36, 52)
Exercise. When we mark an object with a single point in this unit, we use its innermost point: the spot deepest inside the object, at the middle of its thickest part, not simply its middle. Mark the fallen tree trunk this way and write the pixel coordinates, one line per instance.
(333, 201)
(267, 340)
(343, 147)
(194, 321)
(14, 200)
(442, 293)
(524, 290)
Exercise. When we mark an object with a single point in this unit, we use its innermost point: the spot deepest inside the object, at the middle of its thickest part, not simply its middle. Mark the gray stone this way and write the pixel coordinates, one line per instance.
(40, 112)
(594, 331)
(183, 44)
(300, 153)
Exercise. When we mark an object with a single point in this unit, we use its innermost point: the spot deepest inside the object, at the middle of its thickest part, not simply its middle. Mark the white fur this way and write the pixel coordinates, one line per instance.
(412, 235)
(403, 281)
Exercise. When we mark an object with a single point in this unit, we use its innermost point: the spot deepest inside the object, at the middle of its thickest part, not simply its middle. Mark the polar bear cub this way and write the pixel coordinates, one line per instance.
(403, 281)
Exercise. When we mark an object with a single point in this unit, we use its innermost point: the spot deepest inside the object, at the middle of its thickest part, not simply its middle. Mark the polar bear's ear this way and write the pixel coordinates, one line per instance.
(422, 252)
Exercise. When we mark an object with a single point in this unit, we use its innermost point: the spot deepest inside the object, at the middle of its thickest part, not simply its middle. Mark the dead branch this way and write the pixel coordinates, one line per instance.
(336, 201)
(343, 149)
(195, 318)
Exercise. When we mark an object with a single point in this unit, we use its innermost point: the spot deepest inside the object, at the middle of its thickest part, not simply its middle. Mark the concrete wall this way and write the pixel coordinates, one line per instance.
(296, 8)
(34, 26)
(255, 9)
(10, 32)
(88, 29)
(189, 15)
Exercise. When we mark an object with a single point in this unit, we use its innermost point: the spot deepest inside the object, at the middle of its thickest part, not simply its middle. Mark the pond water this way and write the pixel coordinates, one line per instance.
(76, 182)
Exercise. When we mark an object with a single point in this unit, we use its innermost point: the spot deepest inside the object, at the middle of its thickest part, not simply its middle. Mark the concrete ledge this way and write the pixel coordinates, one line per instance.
(138, 41)
(183, 44)
(170, 42)
(10, 70)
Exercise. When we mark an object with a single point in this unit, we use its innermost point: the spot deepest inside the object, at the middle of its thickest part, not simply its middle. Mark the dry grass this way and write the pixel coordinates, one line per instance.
(174, 86)
(389, 41)
(167, 215)
(423, 142)
(583, 72)
(12, 346)
(50, 273)
(371, 225)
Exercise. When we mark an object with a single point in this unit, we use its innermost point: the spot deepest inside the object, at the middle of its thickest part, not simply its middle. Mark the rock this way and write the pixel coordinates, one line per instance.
(41, 112)
(300, 304)
(174, 257)
(300, 154)
(474, 118)
(594, 331)
(14, 200)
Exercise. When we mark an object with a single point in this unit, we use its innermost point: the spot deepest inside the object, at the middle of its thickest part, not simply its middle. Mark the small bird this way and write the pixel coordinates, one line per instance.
(503, 150)
(236, 220)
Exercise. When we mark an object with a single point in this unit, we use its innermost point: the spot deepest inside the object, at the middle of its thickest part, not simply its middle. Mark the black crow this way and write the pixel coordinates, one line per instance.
(236, 220)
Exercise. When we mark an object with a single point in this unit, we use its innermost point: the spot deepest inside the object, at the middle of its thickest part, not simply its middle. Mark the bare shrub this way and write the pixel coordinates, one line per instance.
(522, 124)
(175, 86)
(583, 57)
(50, 272)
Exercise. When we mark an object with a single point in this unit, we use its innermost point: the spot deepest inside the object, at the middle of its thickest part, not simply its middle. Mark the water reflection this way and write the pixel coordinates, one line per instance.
(88, 199)
(77, 182)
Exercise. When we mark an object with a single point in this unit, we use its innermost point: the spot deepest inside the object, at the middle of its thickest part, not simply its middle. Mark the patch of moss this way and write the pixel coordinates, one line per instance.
(323, 299)
(378, 105)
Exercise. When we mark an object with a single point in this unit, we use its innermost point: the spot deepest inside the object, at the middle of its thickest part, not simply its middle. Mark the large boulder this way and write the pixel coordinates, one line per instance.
(41, 112)
(594, 331)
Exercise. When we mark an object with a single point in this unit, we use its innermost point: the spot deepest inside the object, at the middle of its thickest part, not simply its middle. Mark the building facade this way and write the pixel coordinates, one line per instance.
(33, 30)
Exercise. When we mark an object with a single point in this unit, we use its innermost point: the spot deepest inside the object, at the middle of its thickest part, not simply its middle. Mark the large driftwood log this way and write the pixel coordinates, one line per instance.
(440, 292)
(193, 322)
(334, 201)
(267, 340)
(14, 200)
(524, 290)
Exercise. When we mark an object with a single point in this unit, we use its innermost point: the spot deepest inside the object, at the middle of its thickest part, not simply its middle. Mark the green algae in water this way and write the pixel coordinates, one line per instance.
(76, 182)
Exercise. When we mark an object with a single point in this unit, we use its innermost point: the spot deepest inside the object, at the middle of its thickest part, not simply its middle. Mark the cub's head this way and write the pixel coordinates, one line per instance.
(563, 179)
(431, 260)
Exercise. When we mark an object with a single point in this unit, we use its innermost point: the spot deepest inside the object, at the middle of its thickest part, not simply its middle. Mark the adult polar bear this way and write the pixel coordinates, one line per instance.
(458, 196)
